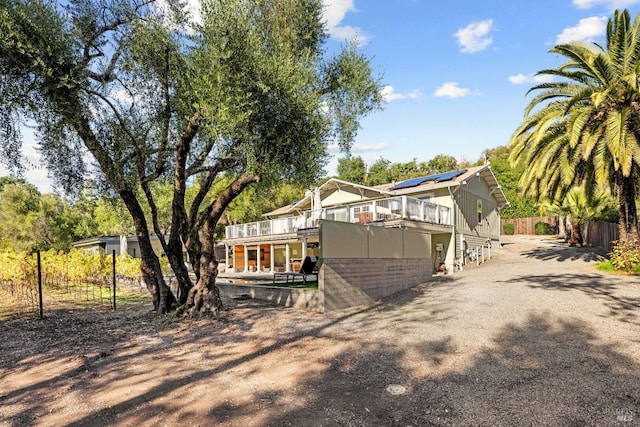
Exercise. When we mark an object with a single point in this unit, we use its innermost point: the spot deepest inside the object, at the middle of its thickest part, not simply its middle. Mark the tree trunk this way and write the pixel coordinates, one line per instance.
(576, 234)
(163, 299)
(204, 297)
(177, 262)
(626, 187)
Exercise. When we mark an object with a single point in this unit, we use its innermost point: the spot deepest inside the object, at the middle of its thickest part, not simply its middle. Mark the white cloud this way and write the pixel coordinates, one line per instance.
(586, 30)
(451, 90)
(335, 10)
(363, 148)
(333, 147)
(609, 4)
(519, 79)
(475, 36)
(333, 13)
(388, 94)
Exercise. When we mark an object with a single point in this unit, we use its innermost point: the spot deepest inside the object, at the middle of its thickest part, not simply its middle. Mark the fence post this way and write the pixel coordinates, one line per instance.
(40, 284)
(114, 279)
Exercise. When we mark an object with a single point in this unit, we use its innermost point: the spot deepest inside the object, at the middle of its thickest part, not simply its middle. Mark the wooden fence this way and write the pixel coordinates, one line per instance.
(599, 234)
(527, 225)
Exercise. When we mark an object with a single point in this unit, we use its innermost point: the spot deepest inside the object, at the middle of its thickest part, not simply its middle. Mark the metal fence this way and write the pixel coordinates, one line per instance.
(27, 293)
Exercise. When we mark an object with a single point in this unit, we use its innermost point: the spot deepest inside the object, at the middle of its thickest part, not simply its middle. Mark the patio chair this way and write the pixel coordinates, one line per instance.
(308, 268)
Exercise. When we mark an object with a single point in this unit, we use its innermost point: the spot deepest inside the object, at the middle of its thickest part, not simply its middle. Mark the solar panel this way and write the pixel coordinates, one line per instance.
(414, 182)
(448, 176)
(440, 177)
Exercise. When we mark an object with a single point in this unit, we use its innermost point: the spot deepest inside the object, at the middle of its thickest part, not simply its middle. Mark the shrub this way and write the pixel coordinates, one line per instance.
(625, 255)
(509, 228)
(542, 228)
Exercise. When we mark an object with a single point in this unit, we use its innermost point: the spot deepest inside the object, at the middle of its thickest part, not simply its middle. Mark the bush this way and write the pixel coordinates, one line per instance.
(542, 228)
(625, 255)
(508, 228)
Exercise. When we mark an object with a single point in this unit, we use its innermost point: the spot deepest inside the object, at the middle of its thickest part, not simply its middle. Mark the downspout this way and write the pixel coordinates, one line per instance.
(453, 224)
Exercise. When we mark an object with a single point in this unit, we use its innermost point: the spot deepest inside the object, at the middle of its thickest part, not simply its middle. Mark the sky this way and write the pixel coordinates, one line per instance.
(455, 72)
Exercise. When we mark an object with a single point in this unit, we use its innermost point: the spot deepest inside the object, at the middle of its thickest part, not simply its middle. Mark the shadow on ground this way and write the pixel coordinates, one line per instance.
(560, 251)
(544, 371)
(90, 352)
(621, 305)
(539, 373)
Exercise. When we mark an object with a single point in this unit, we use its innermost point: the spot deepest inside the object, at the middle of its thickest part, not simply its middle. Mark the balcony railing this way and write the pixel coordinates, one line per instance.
(375, 210)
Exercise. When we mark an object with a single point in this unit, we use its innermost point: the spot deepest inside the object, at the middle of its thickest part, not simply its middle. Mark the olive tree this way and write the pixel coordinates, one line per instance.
(245, 94)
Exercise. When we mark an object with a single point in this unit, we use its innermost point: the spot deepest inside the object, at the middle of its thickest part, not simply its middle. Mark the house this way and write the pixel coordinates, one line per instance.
(374, 241)
(108, 244)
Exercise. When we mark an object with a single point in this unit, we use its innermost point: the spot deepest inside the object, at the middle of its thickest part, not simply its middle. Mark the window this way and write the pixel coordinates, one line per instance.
(252, 254)
(427, 198)
(479, 209)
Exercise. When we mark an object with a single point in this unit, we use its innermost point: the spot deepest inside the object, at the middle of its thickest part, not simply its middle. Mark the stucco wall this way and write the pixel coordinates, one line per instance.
(345, 240)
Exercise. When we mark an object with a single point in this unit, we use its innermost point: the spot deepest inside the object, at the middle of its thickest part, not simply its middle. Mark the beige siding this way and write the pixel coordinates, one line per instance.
(342, 197)
(345, 240)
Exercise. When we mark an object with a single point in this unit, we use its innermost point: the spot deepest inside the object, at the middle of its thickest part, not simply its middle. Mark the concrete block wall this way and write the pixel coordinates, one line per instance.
(348, 282)
(310, 299)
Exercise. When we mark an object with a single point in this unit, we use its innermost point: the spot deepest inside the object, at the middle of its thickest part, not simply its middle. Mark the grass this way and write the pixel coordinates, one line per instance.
(608, 267)
(300, 285)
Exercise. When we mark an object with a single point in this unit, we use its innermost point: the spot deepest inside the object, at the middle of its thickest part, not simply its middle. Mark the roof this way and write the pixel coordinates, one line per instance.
(331, 186)
(403, 188)
(449, 180)
(106, 239)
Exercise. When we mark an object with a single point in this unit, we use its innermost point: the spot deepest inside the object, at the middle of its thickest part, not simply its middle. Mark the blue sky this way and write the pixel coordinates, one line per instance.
(455, 72)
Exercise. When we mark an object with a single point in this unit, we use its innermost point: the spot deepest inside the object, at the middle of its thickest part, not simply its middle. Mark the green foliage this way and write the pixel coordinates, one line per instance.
(31, 221)
(258, 200)
(77, 265)
(542, 228)
(508, 228)
(581, 206)
(520, 205)
(625, 255)
(442, 163)
(379, 172)
(248, 93)
(352, 169)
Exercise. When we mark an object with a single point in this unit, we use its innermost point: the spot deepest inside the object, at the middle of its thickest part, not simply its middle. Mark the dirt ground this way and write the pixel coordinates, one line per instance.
(535, 336)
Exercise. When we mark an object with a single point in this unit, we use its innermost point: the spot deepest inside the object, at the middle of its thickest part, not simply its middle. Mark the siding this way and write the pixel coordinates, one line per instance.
(467, 215)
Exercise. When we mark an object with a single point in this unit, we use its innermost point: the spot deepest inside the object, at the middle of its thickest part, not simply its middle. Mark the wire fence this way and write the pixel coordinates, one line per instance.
(33, 284)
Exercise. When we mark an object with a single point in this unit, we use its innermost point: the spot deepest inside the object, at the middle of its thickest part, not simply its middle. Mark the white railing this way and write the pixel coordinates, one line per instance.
(375, 210)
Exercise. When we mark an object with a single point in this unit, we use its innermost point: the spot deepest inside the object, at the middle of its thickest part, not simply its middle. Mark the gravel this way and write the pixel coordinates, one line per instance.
(535, 336)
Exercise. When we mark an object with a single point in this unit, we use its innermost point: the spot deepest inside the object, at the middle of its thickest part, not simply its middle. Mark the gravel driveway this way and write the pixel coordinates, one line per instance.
(536, 336)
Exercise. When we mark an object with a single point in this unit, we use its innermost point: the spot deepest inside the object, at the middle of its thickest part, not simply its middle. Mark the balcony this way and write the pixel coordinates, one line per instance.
(394, 208)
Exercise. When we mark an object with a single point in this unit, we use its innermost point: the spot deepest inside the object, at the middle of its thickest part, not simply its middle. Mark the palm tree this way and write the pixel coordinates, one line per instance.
(580, 208)
(583, 128)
